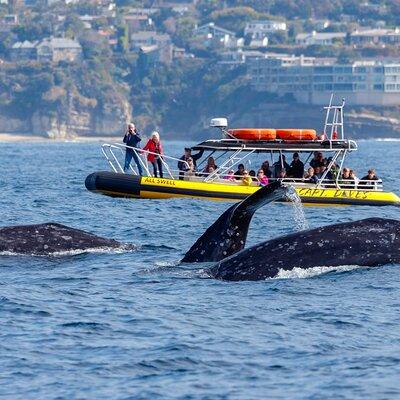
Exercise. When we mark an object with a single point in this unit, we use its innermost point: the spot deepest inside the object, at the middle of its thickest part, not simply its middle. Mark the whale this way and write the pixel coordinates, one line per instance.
(228, 234)
(50, 238)
(368, 242)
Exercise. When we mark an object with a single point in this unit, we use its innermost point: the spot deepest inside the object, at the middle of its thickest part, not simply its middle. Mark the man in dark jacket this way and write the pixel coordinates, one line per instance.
(132, 139)
(182, 165)
(296, 167)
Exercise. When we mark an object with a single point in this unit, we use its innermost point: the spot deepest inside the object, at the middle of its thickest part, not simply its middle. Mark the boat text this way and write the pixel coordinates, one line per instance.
(159, 181)
(348, 194)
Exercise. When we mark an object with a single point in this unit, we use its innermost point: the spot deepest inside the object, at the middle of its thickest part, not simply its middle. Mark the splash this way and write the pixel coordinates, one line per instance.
(300, 273)
(300, 219)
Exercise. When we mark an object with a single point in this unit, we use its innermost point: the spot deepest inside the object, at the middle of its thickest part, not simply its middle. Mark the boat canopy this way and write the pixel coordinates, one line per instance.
(260, 146)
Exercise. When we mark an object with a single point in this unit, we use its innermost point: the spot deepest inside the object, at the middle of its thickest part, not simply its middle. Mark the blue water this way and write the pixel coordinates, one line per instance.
(136, 325)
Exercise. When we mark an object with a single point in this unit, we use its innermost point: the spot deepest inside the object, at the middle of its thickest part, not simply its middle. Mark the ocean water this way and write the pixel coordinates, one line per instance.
(137, 325)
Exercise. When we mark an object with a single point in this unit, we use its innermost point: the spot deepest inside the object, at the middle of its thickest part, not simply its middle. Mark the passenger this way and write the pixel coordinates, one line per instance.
(246, 178)
(210, 167)
(191, 170)
(252, 173)
(155, 148)
(239, 173)
(230, 176)
(317, 172)
(279, 165)
(262, 178)
(132, 139)
(353, 179)
(310, 176)
(296, 167)
(369, 181)
(182, 166)
(345, 178)
(265, 168)
(318, 160)
(282, 174)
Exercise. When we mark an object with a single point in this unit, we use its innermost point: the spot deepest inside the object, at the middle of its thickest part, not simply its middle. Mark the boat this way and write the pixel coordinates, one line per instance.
(239, 146)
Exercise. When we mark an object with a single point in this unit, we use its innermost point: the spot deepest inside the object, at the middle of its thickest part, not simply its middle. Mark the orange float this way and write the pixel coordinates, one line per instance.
(296, 134)
(253, 134)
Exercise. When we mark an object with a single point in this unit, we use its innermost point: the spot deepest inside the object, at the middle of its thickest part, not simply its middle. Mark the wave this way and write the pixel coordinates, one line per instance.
(300, 273)
(66, 253)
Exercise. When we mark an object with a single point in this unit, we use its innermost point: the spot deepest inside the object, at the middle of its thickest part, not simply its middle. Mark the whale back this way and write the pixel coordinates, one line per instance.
(368, 242)
(48, 238)
(228, 234)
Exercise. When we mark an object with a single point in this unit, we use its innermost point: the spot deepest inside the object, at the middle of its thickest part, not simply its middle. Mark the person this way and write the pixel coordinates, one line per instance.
(318, 160)
(182, 166)
(369, 181)
(210, 167)
(252, 173)
(155, 148)
(191, 170)
(239, 173)
(296, 167)
(230, 176)
(345, 177)
(310, 176)
(353, 178)
(132, 139)
(282, 174)
(246, 178)
(262, 178)
(265, 168)
(279, 165)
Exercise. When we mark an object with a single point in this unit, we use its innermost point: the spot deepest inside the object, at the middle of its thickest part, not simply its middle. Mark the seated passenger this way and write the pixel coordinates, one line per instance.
(279, 165)
(369, 181)
(310, 176)
(239, 173)
(230, 176)
(296, 167)
(318, 160)
(246, 178)
(265, 168)
(182, 166)
(317, 172)
(262, 178)
(353, 178)
(252, 173)
(282, 174)
(210, 165)
(345, 177)
(191, 169)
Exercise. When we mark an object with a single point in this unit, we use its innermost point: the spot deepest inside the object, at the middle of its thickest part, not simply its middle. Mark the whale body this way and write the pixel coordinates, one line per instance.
(48, 238)
(368, 242)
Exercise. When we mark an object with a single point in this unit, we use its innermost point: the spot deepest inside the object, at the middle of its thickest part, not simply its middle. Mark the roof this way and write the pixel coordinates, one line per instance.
(24, 45)
(376, 32)
(274, 145)
(320, 35)
(144, 35)
(60, 43)
(216, 27)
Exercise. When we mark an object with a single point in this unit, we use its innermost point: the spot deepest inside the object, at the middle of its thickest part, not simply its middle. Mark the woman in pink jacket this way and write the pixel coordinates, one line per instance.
(155, 157)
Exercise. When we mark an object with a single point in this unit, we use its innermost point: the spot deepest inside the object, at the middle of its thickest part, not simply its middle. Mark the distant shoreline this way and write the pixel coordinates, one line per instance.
(11, 138)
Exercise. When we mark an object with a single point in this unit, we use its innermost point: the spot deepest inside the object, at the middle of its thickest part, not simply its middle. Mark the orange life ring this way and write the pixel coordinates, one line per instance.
(253, 134)
(296, 134)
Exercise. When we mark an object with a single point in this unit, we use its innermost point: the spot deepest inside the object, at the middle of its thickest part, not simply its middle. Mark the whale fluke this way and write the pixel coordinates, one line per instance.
(228, 234)
(48, 238)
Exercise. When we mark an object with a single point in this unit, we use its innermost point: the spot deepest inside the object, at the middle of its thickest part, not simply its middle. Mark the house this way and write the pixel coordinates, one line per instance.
(375, 36)
(212, 31)
(256, 43)
(59, 49)
(261, 29)
(24, 51)
(137, 23)
(144, 39)
(319, 38)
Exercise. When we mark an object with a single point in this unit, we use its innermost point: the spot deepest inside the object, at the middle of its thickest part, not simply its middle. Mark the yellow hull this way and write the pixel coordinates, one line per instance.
(120, 185)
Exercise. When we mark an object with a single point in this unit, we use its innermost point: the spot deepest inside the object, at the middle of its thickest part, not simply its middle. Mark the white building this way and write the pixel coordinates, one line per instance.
(261, 29)
(319, 38)
(312, 80)
(375, 36)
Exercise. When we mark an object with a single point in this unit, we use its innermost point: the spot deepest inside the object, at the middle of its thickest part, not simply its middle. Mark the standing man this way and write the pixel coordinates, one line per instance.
(296, 167)
(132, 139)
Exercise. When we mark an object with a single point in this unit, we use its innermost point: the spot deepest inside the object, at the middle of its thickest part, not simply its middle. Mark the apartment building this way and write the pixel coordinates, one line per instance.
(312, 80)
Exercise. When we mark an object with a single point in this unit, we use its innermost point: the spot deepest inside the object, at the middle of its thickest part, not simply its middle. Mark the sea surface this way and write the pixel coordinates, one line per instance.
(137, 325)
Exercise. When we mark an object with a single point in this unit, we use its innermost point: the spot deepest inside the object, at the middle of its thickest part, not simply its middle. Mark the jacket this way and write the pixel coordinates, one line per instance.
(152, 146)
(132, 140)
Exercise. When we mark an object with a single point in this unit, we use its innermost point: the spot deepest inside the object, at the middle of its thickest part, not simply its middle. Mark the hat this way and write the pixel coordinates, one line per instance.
(296, 155)
(188, 149)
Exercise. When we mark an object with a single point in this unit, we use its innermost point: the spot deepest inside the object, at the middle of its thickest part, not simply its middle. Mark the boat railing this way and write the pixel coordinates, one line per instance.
(108, 152)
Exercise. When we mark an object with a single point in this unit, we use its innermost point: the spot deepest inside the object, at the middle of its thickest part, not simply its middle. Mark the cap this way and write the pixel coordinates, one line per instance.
(295, 155)
(188, 149)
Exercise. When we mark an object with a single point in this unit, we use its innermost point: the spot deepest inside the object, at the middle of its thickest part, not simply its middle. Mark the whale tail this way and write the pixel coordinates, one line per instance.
(228, 234)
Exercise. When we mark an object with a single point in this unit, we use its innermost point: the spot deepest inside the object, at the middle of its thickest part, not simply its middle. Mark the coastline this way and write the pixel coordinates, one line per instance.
(12, 138)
